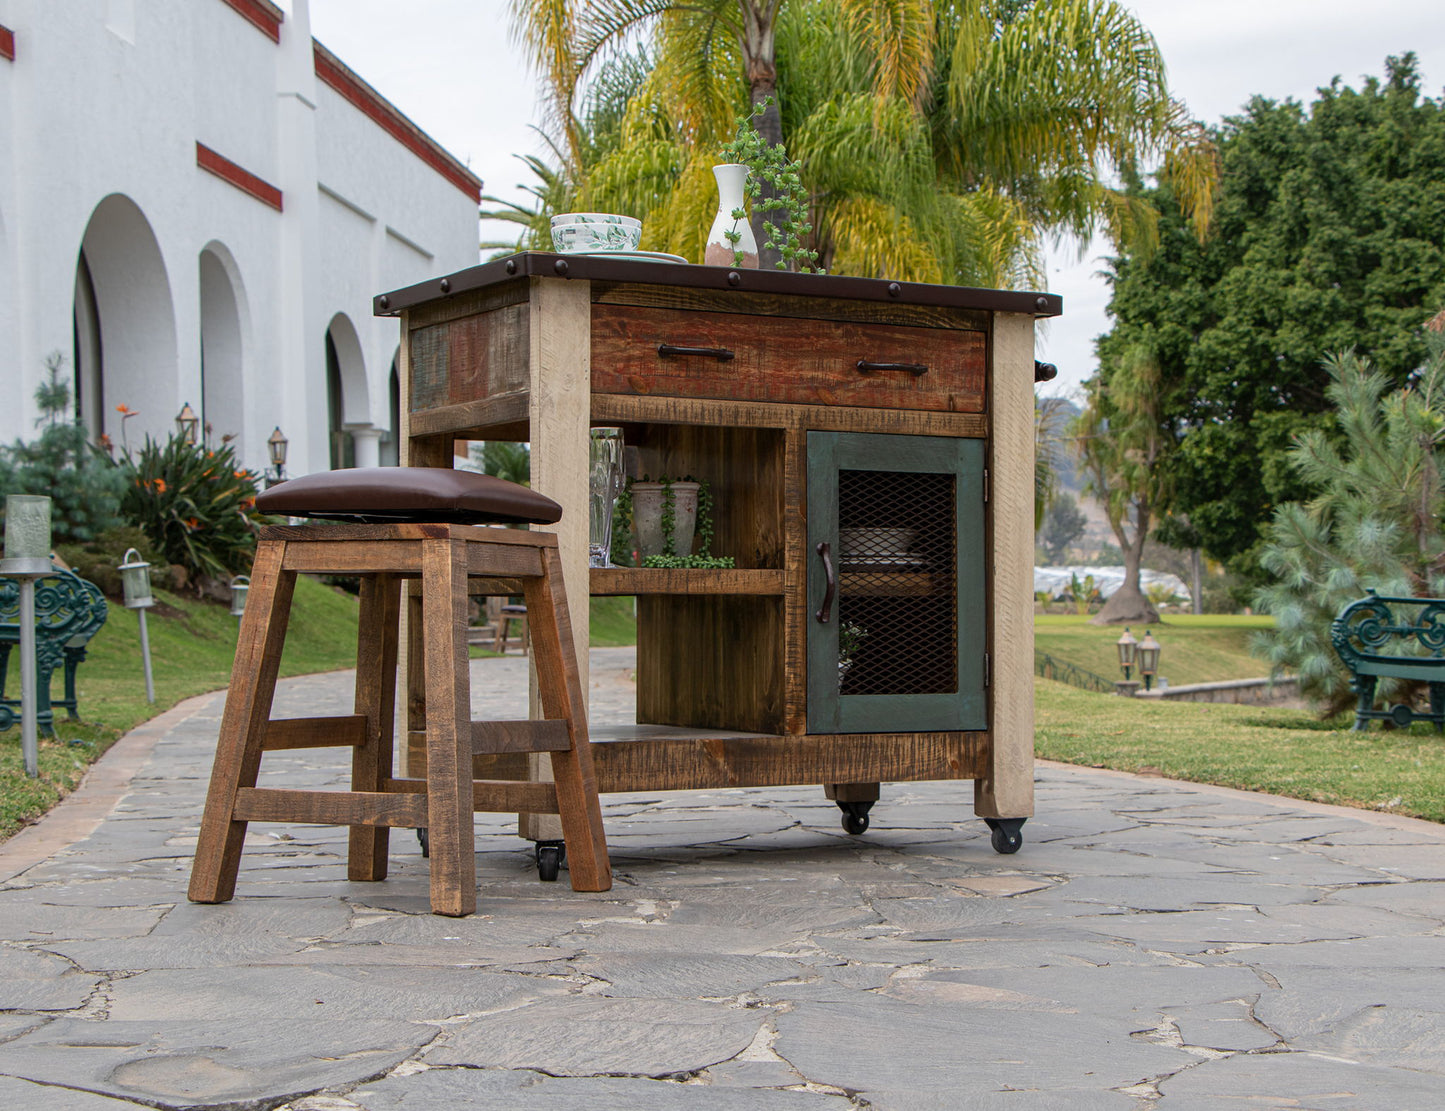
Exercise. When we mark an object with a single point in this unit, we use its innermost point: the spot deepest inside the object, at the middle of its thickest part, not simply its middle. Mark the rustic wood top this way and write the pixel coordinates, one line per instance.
(532, 264)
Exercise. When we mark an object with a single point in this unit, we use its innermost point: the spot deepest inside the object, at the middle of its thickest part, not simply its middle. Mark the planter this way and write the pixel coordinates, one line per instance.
(648, 504)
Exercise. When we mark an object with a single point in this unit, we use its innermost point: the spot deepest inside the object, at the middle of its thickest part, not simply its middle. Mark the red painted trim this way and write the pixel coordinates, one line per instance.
(335, 74)
(7, 43)
(244, 180)
(265, 17)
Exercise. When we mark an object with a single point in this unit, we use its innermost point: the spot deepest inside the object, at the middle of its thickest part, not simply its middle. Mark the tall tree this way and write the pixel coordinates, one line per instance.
(1328, 234)
(1373, 522)
(941, 140)
(1123, 445)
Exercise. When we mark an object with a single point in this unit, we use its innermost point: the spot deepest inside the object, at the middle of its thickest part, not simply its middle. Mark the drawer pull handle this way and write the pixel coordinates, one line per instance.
(721, 354)
(915, 369)
(832, 587)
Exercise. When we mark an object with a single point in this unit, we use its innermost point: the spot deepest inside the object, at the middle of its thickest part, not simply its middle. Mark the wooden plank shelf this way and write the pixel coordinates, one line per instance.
(666, 758)
(658, 580)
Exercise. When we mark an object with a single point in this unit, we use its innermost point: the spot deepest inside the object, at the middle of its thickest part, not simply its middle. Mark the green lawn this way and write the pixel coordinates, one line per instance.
(192, 644)
(1193, 649)
(1284, 752)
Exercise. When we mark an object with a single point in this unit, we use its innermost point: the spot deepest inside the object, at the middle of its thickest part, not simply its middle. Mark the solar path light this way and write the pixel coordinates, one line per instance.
(135, 582)
(27, 558)
(240, 587)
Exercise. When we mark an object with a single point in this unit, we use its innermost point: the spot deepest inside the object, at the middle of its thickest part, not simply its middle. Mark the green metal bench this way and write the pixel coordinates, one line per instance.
(68, 612)
(1368, 625)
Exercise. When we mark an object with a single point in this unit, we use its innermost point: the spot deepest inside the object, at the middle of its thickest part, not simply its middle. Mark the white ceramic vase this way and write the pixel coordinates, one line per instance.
(731, 177)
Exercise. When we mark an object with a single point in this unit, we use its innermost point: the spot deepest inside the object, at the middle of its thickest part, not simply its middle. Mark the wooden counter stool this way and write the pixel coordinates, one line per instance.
(405, 523)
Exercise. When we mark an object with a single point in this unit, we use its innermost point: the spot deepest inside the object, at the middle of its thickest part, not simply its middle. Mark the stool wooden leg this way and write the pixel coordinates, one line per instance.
(560, 688)
(243, 724)
(448, 728)
(371, 763)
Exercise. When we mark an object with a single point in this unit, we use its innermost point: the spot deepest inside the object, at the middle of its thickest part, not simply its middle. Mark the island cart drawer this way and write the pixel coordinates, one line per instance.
(683, 353)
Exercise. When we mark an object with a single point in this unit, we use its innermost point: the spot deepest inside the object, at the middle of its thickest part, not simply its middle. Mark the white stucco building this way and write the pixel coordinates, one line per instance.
(197, 204)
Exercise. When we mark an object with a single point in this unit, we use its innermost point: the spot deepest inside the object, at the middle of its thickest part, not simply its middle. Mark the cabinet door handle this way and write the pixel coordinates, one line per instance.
(832, 584)
(721, 354)
(915, 369)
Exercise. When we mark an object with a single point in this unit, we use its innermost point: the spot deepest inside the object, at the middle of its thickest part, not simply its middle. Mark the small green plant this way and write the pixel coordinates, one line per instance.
(851, 636)
(622, 527)
(83, 484)
(774, 185)
(703, 529)
(195, 504)
(1084, 593)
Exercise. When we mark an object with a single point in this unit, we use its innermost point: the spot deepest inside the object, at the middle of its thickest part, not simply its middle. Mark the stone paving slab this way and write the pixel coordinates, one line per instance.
(1153, 945)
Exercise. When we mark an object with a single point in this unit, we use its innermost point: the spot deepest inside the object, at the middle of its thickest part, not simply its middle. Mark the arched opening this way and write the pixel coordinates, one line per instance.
(125, 325)
(223, 344)
(347, 404)
(391, 442)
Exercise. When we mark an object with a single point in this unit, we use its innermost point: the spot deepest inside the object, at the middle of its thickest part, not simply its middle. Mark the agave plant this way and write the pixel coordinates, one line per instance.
(195, 504)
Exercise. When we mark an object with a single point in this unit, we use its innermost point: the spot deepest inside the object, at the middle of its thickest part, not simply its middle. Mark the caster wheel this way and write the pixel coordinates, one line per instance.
(1006, 834)
(423, 838)
(549, 860)
(855, 816)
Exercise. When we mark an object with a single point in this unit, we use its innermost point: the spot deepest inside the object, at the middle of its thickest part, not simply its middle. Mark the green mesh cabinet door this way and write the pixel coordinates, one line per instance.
(895, 583)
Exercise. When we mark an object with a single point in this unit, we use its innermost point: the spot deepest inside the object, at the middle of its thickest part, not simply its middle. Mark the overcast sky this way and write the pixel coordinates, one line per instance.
(451, 66)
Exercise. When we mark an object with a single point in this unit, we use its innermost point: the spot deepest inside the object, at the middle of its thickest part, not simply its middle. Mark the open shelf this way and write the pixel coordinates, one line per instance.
(657, 580)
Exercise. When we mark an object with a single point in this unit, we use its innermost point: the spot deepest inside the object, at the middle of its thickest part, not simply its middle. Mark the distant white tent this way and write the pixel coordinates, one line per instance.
(1057, 581)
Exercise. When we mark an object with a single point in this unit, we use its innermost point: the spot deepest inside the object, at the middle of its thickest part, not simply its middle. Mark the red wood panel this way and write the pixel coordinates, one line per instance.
(266, 18)
(242, 179)
(7, 43)
(785, 359)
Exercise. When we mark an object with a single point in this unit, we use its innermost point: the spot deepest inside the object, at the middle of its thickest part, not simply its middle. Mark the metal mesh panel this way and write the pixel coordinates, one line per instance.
(897, 589)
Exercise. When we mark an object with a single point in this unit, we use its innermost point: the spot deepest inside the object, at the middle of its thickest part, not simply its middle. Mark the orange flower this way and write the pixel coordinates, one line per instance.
(160, 486)
(125, 410)
(238, 474)
(192, 523)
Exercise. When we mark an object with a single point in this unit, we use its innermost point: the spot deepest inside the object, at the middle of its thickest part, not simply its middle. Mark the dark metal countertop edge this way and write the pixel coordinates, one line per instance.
(591, 267)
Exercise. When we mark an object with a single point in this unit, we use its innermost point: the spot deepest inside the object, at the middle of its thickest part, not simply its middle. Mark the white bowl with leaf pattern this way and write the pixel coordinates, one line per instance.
(574, 232)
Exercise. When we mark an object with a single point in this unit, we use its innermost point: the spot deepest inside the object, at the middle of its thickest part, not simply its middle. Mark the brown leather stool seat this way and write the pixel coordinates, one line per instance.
(419, 524)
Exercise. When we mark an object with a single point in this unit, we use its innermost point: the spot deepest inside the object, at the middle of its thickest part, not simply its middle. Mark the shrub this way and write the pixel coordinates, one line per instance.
(99, 560)
(83, 484)
(195, 504)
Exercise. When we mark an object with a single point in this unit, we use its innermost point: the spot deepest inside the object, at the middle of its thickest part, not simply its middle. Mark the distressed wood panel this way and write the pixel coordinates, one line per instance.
(331, 808)
(469, 358)
(490, 737)
(785, 360)
(334, 732)
(710, 662)
(805, 308)
(461, 305)
(627, 408)
(697, 764)
(658, 580)
(1007, 790)
(494, 796)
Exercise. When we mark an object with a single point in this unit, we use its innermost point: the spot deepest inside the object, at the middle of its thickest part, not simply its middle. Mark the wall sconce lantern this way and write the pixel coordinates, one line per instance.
(1127, 646)
(1148, 659)
(240, 586)
(277, 445)
(135, 582)
(187, 423)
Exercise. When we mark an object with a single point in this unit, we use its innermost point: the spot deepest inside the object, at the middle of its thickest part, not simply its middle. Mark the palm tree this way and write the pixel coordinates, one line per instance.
(941, 141)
